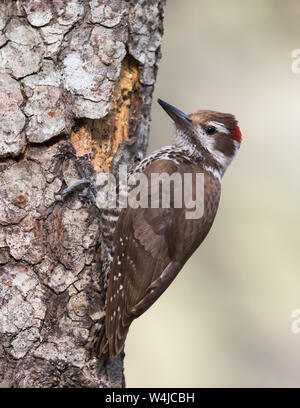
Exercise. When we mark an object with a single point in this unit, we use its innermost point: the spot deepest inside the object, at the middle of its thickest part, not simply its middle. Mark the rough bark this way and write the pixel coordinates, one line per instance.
(75, 75)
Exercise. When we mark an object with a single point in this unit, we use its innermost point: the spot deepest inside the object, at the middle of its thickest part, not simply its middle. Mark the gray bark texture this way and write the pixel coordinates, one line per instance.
(75, 76)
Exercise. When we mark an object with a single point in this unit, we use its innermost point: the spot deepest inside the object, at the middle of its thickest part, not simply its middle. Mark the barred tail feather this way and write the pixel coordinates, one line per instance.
(103, 348)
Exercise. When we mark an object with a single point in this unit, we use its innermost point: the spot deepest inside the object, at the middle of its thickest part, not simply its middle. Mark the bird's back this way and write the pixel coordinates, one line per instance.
(152, 245)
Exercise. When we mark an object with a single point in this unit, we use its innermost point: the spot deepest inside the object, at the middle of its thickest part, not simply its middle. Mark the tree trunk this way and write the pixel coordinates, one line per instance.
(76, 76)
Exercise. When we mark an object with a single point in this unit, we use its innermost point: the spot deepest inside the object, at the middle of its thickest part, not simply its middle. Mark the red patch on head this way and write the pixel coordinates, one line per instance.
(237, 134)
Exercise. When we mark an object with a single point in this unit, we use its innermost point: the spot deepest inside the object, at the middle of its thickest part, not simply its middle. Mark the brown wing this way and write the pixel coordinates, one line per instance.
(152, 245)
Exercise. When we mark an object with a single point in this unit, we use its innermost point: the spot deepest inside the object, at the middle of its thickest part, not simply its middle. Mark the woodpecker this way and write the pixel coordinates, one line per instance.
(149, 246)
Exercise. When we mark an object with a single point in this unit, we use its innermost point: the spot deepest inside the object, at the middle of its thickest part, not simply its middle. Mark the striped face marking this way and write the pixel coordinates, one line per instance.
(219, 126)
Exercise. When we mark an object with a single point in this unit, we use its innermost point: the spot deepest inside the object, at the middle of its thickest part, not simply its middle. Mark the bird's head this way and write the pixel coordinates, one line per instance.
(212, 136)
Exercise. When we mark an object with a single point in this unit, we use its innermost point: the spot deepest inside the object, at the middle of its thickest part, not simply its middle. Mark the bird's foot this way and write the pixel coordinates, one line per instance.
(85, 170)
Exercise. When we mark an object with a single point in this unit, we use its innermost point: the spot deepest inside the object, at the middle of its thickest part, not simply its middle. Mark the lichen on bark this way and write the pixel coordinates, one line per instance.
(78, 77)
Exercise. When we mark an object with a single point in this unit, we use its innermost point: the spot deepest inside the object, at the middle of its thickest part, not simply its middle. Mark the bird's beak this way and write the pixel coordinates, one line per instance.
(179, 117)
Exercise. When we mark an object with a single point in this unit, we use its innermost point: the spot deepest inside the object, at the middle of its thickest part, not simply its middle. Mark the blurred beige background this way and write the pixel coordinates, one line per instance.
(226, 320)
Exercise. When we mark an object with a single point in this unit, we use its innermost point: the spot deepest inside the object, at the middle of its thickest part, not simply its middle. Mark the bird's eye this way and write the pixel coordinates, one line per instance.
(210, 130)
